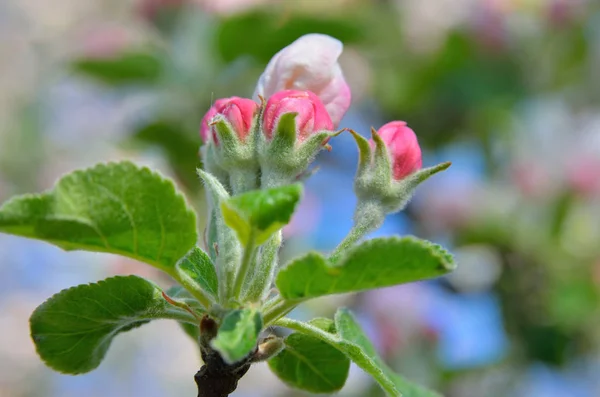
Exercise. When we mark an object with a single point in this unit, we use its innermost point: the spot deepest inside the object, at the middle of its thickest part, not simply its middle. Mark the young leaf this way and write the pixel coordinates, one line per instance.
(261, 211)
(118, 208)
(197, 272)
(73, 329)
(360, 350)
(376, 263)
(310, 364)
(238, 334)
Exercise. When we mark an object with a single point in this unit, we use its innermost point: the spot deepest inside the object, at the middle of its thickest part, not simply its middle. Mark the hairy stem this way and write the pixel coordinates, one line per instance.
(368, 217)
(278, 308)
(244, 269)
(263, 275)
(307, 329)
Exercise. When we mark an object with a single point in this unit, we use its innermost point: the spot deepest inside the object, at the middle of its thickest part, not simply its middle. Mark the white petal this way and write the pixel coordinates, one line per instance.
(309, 63)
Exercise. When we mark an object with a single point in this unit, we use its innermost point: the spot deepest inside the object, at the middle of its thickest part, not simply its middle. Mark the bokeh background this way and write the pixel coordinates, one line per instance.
(508, 90)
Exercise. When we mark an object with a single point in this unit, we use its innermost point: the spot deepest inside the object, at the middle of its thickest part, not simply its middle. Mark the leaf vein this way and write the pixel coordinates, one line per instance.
(125, 209)
(300, 357)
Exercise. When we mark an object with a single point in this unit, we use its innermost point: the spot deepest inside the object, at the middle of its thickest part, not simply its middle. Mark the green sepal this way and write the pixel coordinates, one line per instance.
(211, 167)
(238, 334)
(227, 137)
(235, 156)
(400, 192)
(409, 183)
(364, 152)
(382, 166)
(284, 157)
(285, 137)
(377, 263)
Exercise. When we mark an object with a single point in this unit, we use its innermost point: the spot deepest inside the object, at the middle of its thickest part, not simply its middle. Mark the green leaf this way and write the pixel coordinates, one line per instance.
(238, 334)
(177, 141)
(262, 212)
(311, 364)
(73, 329)
(352, 341)
(197, 273)
(118, 208)
(357, 346)
(123, 68)
(262, 33)
(376, 263)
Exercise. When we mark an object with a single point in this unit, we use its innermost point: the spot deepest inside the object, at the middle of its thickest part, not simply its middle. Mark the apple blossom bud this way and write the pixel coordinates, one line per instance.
(309, 63)
(583, 174)
(403, 148)
(389, 170)
(311, 113)
(238, 112)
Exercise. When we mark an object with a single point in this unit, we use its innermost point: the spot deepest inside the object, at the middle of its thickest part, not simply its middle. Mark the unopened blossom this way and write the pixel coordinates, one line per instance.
(105, 42)
(312, 116)
(583, 175)
(238, 112)
(309, 63)
(403, 148)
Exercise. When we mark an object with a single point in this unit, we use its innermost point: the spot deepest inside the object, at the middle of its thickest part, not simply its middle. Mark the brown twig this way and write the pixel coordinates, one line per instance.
(216, 378)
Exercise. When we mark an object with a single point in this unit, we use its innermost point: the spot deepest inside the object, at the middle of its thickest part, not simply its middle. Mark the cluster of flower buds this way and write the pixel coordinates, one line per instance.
(299, 101)
(270, 140)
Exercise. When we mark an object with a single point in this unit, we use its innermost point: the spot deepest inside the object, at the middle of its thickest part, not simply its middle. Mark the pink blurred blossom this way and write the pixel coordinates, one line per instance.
(230, 7)
(531, 178)
(149, 9)
(105, 42)
(489, 24)
(583, 175)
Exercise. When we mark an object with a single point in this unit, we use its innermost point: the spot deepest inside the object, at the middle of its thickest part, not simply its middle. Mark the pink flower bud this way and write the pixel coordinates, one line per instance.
(403, 148)
(309, 63)
(239, 113)
(105, 42)
(583, 174)
(312, 115)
